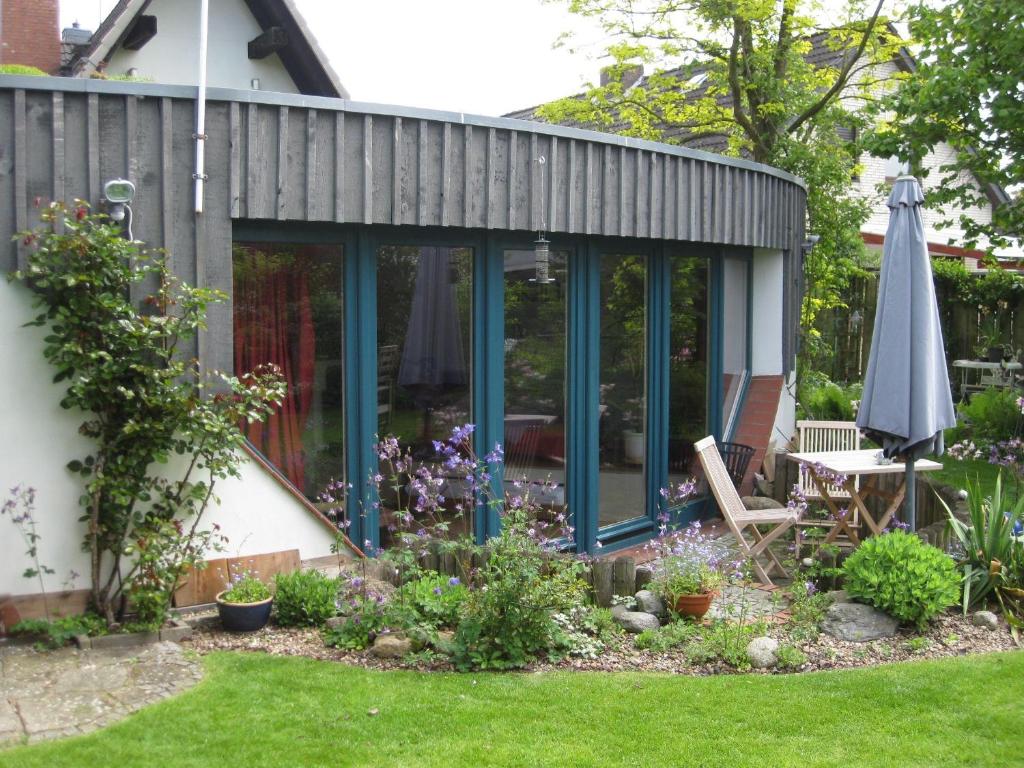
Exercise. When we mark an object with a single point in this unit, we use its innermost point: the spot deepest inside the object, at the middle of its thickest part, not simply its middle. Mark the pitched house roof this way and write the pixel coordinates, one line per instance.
(302, 57)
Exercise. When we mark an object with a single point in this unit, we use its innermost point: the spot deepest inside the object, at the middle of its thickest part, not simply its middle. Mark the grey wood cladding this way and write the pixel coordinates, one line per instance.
(278, 157)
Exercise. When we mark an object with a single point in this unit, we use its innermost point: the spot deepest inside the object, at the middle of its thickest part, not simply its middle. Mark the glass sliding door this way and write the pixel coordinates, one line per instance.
(622, 440)
(287, 304)
(735, 338)
(535, 381)
(688, 364)
(424, 355)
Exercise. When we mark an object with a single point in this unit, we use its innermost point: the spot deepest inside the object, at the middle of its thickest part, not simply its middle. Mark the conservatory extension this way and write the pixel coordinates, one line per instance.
(595, 304)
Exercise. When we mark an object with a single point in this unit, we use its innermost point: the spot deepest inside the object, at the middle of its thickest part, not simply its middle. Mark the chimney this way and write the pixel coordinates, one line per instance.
(630, 74)
(29, 34)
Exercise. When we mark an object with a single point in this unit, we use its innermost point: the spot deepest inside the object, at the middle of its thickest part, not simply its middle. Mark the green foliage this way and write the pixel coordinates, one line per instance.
(918, 644)
(820, 398)
(791, 657)
(965, 92)
(901, 575)
(724, 641)
(247, 589)
(807, 609)
(987, 541)
(56, 633)
(508, 620)
(675, 634)
(21, 69)
(437, 600)
(304, 598)
(144, 399)
(990, 415)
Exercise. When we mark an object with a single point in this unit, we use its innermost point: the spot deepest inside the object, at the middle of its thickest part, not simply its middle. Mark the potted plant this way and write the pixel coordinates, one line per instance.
(245, 606)
(690, 571)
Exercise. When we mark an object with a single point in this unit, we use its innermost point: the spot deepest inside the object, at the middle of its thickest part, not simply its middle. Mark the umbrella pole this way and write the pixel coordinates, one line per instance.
(911, 496)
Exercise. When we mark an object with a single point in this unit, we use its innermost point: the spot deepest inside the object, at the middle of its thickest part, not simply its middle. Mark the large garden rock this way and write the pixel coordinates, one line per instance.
(648, 602)
(636, 621)
(763, 652)
(761, 502)
(855, 622)
(389, 646)
(985, 619)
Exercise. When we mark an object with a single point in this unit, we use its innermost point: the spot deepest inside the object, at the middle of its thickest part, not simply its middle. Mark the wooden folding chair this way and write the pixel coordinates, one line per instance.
(739, 518)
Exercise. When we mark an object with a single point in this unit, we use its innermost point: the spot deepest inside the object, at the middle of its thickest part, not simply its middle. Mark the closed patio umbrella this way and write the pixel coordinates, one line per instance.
(906, 402)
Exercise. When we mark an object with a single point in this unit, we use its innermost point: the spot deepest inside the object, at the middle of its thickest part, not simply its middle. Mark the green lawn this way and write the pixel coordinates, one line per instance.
(958, 473)
(254, 710)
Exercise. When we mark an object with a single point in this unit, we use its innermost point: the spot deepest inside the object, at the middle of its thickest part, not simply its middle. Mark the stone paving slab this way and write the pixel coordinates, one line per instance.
(48, 694)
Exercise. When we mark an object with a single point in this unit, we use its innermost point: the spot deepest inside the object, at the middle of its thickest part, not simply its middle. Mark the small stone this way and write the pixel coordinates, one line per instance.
(763, 652)
(648, 602)
(838, 596)
(807, 562)
(336, 621)
(389, 646)
(637, 621)
(858, 623)
(373, 712)
(985, 619)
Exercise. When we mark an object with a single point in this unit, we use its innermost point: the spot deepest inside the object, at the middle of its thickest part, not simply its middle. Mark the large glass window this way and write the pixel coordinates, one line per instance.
(288, 312)
(424, 351)
(535, 339)
(623, 394)
(688, 364)
(735, 338)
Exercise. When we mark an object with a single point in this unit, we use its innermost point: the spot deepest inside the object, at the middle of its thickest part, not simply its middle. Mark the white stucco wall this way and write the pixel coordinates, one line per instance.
(766, 310)
(38, 438)
(172, 56)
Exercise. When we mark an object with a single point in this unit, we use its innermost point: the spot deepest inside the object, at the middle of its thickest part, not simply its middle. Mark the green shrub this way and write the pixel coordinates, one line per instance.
(724, 641)
(675, 634)
(791, 657)
(437, 600)
(21, 69)
(821, 398)
(305, 598)
(57, 633)
(991, 415)
(901, 575)
(246, 590)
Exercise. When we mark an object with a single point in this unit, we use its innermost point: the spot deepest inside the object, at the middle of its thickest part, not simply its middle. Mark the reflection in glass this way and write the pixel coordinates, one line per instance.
(622, 442)
(688, 365)
(424, 364)
(535, 337)
(734, 338)
(288, 311)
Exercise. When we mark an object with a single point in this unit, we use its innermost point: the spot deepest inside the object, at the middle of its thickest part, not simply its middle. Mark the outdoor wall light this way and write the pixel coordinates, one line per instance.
(119, 194)
(808, 245)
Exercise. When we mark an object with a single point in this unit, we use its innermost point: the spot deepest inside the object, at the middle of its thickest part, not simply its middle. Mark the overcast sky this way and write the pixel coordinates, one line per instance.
(475, 56)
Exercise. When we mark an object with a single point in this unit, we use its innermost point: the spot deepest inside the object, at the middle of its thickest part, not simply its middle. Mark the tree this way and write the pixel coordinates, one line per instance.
(739, 72)
(143, 400)
(966, 92)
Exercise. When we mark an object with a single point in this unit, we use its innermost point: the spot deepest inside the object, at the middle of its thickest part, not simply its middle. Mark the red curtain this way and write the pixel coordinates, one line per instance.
(273, 321)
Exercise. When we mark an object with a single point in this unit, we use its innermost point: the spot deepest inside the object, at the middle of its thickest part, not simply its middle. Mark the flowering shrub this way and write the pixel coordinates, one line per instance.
(304, 598)
(898, 573)
(437, 600)
(364, 614)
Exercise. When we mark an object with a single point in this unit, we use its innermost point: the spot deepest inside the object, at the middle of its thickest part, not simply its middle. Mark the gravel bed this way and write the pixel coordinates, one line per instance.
(948, 635)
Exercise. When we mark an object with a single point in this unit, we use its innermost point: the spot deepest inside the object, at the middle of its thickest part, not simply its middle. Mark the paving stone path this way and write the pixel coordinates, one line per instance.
(44, 695)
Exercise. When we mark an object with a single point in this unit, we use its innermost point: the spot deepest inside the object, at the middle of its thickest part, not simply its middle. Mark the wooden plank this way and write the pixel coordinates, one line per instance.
(588, 193)
(252, 162)
(200, 586)
(535, 194)
(446, 173)
(20, 173)
(467, 197)
(312, 193)
(638, 192)
(570, 206)
(367, 169)
(489, 176)
(603, 579)
(14, 608)
(235, 149)
(624, 576)
(552, 183)
(166, 171)
(282, 162)
(511, 176)
(8, 249)
(264, 566)
(339, 166)
(422, 191)
(93, 146)
(57, 186)
(396, 171)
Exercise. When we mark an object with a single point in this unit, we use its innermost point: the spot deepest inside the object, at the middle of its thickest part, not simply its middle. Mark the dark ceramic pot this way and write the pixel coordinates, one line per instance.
(244, 617)
(694, 606)
(995, 354)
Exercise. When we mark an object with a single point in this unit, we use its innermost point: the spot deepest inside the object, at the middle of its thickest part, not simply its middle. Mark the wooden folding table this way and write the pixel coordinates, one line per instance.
(850, 465)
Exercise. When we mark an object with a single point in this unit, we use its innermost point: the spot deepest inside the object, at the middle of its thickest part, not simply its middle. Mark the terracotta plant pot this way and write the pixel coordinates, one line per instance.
(244, 617)
(694, 606)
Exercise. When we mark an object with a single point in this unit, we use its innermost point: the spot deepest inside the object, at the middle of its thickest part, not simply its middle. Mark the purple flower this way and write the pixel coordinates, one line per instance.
(453, 581)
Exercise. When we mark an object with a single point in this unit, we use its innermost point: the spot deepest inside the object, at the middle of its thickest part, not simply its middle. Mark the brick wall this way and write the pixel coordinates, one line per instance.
(30, 34)
(757, 421)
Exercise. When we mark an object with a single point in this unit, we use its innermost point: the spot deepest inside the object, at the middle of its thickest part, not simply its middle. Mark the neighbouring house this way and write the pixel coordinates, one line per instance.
(592, 302)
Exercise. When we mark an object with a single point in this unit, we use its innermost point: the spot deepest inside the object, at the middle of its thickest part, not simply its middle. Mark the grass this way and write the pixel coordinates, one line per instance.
(957, 473)
(255, 710)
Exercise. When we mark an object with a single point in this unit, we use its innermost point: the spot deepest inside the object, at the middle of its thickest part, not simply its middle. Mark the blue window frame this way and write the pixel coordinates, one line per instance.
(583, 375)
